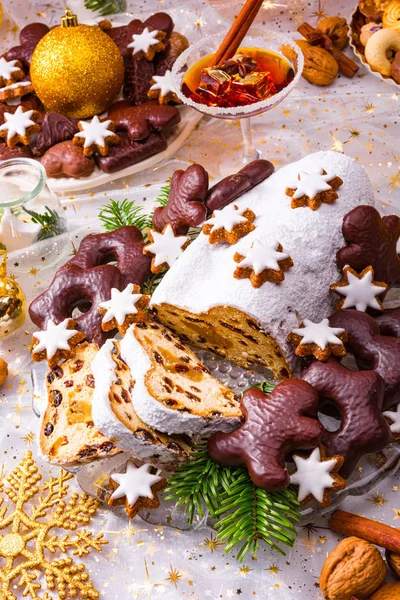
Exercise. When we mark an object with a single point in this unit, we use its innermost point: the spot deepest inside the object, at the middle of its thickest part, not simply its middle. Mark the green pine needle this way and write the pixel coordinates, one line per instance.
(106, 7)
(163, 196)
(119, 213)
(49, 221)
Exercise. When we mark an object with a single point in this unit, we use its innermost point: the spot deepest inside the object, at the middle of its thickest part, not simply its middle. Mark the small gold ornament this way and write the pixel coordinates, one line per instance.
(77, 70)
(28, 542)
(12, 301)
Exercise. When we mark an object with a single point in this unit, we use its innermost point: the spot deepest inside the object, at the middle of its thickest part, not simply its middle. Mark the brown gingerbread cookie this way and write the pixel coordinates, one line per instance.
(6, 153)
(57, 342)
(67, 160)
(359, 290)
(129, 152)
(174, 46)
(19, 126)
(274, 426)
(185, 207)
(313, 189)
(96, 136)
(29, 37)
(372, 349)
(229, 225)
(358, 395)
(139, 121)
(55, 128)
(319, 340)
(371, 240)
(123, 246)
(389, 322)
(10, 71)
(137, 80)
(261, 263)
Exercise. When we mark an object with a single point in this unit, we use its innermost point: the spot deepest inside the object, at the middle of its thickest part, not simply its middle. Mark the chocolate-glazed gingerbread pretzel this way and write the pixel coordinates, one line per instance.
(73, 287)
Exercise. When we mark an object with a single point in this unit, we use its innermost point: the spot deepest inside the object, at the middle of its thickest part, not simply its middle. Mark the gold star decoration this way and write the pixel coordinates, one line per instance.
(199, 23)
(322, 539)
(29, 523)
(396, 513)
(369, 107)
(173, 576)
(212, 543)
(310, 528)
(270, 5)
(33, 271)
(378, 499)
(395, 488)
(320, 13)
(337, 145)
(243, 571)
(274, 569)
(354, 133)
(394, 181)
(28, 438)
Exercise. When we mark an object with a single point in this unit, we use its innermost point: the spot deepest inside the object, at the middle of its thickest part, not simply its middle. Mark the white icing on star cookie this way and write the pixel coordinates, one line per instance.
(54, 338)
(311, 184)
(121, 304)
(360, 292)
(393, 415)
(135, 483)
(15, 85)
(313, 475)
(17, 123)
(143, 41)
(95, 132)
(7, 68)
(164, 83)
(226, 218)
(166, 247)
(261, 256)
(320, 334)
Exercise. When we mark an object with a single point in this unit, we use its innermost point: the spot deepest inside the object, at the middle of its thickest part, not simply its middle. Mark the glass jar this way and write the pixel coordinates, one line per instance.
(32, 225)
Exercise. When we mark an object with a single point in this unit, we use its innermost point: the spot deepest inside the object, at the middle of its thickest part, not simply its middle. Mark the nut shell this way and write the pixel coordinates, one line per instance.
(337, 29)
(320, 68)
(393, 560)
(389, 591)
(3, 371)
(354, 568)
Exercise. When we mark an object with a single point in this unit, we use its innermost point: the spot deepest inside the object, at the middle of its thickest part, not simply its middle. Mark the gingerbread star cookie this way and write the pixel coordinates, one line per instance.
(147, 43)
(96, 136)
(163, 89)
(319, 340)
(262, 262)
(19, 126)
(139, 487)
(10, 71)
(229, 224)
(317, 476)
(56, 342)
(15, 90)
(165, 248)
(359, 290)
(123, 309)
(313, 189)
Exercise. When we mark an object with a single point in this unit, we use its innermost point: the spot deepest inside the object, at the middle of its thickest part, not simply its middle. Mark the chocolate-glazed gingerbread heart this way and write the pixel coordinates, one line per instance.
(140, 121)
(55, 128)
(185, 207)
(29, 38)
(381, 353)
(67, 160)
(128, 152)
(73, 287)
(389, 322)
(228, 189)
(371, 241)
(358, 395)
(275, 425)
(124, 246)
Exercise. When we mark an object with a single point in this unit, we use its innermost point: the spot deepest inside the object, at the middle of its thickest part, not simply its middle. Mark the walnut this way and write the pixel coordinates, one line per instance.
(337, 29)
(320, 68)
(354, 568)
(3, 371)
(393, 560)
(389, 591)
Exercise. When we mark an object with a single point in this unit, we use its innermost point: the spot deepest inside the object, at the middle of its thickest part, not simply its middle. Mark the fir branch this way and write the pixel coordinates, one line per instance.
(49, 221)
(163, 196)
(119, 213)
(105, 7)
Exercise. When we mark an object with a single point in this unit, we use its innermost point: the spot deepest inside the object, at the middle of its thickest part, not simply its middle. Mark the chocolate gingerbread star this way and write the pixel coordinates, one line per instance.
(275, 425)
(359, 397)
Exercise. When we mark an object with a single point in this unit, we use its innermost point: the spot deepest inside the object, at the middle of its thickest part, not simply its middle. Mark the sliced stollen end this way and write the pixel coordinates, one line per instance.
(173, 391)
(67, 432)
(201, 300)
(115, 416)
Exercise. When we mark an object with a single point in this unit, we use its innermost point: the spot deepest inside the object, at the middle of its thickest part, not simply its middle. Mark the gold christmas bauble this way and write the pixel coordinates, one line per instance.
(12, 300)
(77, 70)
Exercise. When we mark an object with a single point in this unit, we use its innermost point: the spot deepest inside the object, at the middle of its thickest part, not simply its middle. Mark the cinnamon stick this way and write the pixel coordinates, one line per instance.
(347, 66)
(366, 529)
(237, 32)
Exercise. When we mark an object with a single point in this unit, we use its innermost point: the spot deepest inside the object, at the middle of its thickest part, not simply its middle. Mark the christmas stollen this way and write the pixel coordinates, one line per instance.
(205, 302)
(174, 392)
(115, 416)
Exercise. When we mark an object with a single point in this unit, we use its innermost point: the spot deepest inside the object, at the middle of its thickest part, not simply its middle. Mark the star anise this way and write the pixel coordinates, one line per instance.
(239, 65)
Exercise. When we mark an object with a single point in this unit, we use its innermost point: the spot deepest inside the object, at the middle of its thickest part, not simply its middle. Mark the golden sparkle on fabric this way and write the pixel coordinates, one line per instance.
(23, 525)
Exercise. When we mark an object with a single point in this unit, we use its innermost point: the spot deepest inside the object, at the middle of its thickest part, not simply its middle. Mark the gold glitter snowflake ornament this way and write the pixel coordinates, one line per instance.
(27, 541)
